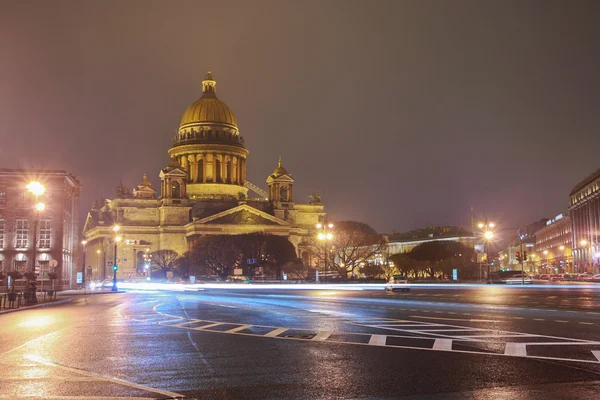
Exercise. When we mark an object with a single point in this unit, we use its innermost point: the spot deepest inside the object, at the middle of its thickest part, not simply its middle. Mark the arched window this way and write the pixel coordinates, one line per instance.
(176, 190)
(283, 193)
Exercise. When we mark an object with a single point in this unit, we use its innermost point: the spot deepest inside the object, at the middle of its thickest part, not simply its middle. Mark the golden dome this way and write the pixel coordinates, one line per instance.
(208, 109)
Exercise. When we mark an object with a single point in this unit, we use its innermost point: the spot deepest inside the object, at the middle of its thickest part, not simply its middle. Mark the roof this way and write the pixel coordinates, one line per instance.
(40, 172)
(589, 179)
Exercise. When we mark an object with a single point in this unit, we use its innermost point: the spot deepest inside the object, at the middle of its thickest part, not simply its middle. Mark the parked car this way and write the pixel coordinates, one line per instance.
(544, 277)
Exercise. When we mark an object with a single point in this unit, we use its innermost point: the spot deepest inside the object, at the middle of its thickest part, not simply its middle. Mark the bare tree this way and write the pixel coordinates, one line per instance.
(165, 260)
(218, 254)
(353, 243)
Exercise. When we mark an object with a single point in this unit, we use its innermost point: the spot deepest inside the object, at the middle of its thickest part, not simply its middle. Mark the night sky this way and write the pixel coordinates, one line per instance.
(401, 113)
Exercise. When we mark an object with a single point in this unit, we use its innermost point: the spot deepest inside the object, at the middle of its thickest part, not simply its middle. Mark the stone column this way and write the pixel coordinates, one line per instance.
(204, 166)
(243, 173)
(230, 172)
(193, 177)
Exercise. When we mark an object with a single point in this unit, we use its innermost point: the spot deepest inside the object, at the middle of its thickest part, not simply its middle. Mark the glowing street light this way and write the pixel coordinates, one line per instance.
(324, 235)
(561, 248)
(583, 242)
(36, 188)
(488, 235)
(116, 228)
(115, 267)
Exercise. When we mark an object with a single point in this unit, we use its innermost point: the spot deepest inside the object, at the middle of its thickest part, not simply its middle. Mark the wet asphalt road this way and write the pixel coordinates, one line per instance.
(456, 343)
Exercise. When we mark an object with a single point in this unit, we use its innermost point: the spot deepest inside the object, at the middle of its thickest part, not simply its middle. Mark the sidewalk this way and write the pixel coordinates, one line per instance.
(58, 301)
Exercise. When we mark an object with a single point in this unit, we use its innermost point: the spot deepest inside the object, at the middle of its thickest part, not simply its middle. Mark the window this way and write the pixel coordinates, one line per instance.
(2, 199)
(22, 233)
(1, 233)
(45, 232)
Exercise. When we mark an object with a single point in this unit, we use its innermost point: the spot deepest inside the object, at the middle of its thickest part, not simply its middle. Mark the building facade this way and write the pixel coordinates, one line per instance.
(524, 242)
(554, 244)
(53, 228)
(584, 208)
(398, 243)
(203, 191)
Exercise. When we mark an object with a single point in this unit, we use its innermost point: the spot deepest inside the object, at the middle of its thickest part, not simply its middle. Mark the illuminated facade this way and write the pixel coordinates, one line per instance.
(553, 244)
(584, 207)
(55, 226)
(203, 191)
(398, 243)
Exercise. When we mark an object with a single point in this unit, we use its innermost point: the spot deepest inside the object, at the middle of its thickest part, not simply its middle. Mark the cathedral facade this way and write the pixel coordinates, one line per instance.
(203, 191)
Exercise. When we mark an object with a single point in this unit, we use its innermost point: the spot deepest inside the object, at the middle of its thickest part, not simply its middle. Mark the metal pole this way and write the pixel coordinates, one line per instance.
(522, 262)
(114, 286)
(83, 268)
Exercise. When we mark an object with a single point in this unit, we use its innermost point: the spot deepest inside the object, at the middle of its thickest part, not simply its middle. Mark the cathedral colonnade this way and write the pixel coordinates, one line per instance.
(211, 167)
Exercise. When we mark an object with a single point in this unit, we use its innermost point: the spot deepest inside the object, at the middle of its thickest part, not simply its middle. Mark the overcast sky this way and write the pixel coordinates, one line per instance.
(401, 113)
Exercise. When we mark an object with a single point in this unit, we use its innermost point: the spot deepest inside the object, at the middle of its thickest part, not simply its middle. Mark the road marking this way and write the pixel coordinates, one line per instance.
(596, 354)
(442, 344)
(586, 323)
(118, 381)
(518, 318)
(322, 336)
(378, 340)
(515, 349)
(560, 320)
(275, 332)
(239, 328)
(454, 319)
(551, 297)
(208, 326)
(539, 319)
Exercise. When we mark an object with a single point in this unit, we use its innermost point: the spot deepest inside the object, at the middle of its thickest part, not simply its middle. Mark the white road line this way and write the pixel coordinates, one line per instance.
(239, 328)
(208, 326)
(596, 354)
(118, 381)
(322, 336)
(456, 319)
(561, 320)
(275, 332)
(183, 323)
(586, 323)
(442, 344)
(515, 349)
(539, 319)
(378, 340)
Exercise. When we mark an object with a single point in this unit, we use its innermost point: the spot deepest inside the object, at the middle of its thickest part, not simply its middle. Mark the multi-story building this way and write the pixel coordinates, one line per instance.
(405, 242)
(39, 232)
(554, 246)
(523, 242)
(584, 207)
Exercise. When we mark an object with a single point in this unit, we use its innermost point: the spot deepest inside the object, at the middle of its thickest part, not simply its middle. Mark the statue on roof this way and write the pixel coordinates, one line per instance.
(122, 191)
(315, 199)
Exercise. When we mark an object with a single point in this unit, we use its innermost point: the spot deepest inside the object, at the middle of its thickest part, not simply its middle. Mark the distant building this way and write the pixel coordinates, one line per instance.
(56, 236)
(554, 244)
(398, 243)
(523, 242)
(584, 207)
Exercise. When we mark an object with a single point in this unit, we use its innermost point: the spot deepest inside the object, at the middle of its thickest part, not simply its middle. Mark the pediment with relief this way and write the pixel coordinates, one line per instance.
(243, 215)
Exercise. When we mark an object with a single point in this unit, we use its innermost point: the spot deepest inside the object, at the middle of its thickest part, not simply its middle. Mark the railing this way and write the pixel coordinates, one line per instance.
(18, 299)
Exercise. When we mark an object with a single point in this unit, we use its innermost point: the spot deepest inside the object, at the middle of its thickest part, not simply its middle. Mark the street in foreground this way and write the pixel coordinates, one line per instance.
(228, 344)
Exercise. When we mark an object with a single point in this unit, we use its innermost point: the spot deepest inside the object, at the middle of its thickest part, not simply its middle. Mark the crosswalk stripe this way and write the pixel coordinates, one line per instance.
(275, 332)
(239, 328)
(321, 336)
(442, 344)
(378, 340)
(515, 349)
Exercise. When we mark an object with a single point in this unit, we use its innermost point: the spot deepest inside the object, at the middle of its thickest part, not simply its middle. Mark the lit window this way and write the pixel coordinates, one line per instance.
(1, 233)
(45, 232)
(22, 233)
(2, 199)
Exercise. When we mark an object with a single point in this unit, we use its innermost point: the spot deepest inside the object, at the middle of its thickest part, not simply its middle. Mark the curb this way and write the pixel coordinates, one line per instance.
(90, 293)
(54, 303)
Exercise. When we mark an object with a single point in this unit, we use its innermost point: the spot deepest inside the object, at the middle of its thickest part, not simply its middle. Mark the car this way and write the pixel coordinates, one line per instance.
(544, 277)
(515, 279)
(397, 283)
(595, 278)
(556, 278)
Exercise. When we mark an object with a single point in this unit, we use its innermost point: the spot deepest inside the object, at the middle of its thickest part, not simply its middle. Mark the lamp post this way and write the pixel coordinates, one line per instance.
(37, 189)
(115, 267)
(583, 243)
(488, 234)
(83, 243)
(98, 261)
(325, 236)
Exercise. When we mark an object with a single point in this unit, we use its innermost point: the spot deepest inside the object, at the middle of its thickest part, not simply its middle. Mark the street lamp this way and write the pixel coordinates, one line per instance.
(325, 236)
(83, 243)
(115, 267)
(488, 235)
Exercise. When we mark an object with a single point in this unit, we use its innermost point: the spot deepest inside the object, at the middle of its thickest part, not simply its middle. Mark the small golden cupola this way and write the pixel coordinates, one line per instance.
(144, 189)
(280, 186)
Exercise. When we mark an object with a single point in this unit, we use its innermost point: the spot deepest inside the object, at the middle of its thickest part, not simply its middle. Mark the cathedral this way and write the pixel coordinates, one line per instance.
(203, 191)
